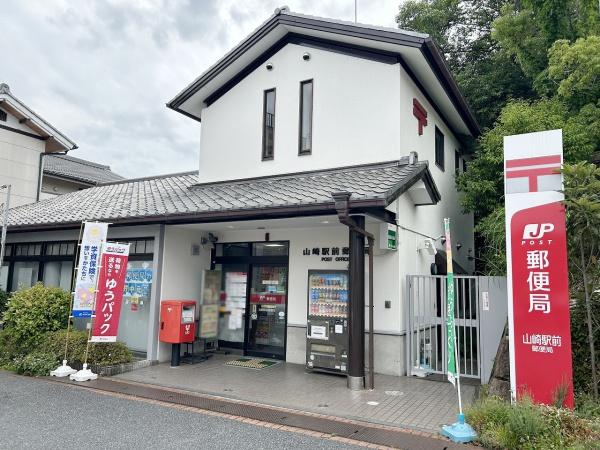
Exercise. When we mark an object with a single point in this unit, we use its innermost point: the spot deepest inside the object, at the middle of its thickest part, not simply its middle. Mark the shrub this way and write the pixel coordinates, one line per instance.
(9, 347)
(586, 406)
(527, 426)
(3, 300)
(104, 354)
(35, 364)
(34, 311)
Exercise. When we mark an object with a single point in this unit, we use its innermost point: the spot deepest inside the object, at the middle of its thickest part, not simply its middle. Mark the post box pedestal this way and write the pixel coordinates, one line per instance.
(175, 355)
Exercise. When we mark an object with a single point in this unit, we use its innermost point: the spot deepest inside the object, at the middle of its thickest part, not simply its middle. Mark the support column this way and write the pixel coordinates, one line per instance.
(356, 316)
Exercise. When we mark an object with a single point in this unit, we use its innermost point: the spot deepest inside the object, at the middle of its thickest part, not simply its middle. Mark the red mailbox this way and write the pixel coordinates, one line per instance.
(177, 321)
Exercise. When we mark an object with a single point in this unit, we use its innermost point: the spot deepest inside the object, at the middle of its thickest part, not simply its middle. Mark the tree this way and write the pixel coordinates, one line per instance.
(582, 199)
(487, 75)
(575, 108)
(575, 71)
(527, 28)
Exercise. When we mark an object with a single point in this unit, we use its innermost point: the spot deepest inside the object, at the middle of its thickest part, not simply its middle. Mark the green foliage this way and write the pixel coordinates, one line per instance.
(493, 249)
(527, 426)
(487, 75)
(9, 347)
(35, 364)
(32, 312)
(580, 344)
(582, 198)
(528, 30)
(3, 301)
(587, 407)
(104, 354)
(575, 69)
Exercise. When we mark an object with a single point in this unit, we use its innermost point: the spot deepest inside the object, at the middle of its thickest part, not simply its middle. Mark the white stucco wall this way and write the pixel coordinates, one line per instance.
(51, 187)
(19, 162)
(429, 220)
(181, 271)
(355, 116)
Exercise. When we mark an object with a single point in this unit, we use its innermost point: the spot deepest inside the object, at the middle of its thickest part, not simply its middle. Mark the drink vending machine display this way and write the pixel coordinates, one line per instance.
(327, 321)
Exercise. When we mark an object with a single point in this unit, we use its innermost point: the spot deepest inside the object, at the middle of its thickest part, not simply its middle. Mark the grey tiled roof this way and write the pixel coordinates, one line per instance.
(64, 166)
(179, 197)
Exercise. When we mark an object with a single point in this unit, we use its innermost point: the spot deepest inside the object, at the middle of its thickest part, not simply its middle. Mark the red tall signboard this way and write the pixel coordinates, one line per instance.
(111, 284)
(538, 292)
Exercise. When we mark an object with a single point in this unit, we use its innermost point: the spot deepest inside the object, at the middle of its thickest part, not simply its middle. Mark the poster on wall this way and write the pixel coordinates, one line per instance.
(537, 272)
(94, 234)
(138, 287)
(111, 284)
(209, 309)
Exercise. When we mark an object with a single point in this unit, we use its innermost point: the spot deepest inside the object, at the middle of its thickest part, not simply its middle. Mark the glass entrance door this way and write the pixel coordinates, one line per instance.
(267, 315)
(232, 307)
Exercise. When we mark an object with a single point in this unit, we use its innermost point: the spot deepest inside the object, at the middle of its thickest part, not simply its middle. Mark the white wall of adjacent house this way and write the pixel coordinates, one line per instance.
(51, 187)
(19, 162)
(355, 116)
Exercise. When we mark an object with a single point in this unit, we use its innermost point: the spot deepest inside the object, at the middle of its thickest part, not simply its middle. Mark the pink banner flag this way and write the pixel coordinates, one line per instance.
(111, 284)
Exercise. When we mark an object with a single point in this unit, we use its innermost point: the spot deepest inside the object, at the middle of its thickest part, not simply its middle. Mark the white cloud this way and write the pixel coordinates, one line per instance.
(101, 71)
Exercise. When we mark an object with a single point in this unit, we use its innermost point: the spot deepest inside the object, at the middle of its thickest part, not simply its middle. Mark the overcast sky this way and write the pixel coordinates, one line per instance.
(101, 71)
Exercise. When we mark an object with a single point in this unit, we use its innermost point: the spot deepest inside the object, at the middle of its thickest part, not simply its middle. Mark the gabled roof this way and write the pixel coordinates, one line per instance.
(415, 51)
(80, 170)
(179, 198)
(55, 140)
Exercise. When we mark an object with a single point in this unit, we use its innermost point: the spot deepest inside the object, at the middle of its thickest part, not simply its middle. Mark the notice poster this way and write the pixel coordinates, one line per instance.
(209, 310)
(111, 284)
(537, 271)
(94, 234)
(138, 287)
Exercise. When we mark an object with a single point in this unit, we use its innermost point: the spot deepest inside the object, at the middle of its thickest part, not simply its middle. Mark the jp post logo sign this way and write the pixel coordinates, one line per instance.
(537, 272)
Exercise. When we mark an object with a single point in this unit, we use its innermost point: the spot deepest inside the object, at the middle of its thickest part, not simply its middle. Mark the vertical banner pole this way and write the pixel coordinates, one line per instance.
(86, 286)
(64, 370)
(460, 431)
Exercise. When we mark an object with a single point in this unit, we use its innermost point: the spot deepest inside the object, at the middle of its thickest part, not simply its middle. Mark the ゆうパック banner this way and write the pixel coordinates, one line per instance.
(94, 234)
(537, 270)
(111, 285)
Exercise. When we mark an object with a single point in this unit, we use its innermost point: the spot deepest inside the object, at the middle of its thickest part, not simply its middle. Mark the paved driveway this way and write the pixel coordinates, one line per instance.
(35, 413)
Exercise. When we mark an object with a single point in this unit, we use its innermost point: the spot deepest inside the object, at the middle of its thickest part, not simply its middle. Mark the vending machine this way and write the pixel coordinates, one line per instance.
(327, 321)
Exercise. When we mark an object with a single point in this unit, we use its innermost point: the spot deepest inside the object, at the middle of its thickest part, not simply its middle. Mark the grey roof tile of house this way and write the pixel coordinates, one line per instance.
(179, 198)
(71, 168)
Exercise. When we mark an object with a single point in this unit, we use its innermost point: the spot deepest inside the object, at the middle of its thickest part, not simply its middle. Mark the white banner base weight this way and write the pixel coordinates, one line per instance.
(84, 374)
(421, 372)
(62, 371)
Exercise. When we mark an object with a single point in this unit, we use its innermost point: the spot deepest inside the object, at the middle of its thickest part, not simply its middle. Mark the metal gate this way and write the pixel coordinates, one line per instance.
(426, 325)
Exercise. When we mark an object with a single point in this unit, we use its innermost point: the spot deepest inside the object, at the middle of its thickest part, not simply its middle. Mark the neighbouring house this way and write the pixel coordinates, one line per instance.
(303, 110)
(63, 174)
(25, 138)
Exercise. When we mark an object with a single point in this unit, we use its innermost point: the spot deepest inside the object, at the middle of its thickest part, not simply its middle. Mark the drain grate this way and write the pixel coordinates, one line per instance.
(364, 432)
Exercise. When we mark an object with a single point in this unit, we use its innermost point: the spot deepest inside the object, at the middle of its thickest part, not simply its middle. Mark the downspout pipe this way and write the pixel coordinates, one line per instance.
(356, 363)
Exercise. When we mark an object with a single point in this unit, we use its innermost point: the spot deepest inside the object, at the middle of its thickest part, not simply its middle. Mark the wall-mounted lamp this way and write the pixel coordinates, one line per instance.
(429, 246)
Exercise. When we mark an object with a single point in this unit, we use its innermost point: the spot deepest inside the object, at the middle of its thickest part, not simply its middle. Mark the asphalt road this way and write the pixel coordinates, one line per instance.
(39, 414)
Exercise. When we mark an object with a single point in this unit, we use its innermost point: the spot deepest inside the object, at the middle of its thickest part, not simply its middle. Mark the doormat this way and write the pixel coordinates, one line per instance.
(252, 363)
